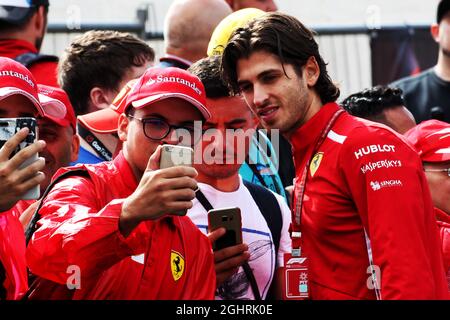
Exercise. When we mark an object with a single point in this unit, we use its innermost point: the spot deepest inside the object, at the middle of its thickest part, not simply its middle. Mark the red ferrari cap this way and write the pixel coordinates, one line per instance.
(16, 79)
(154, 85)
(56, 106)
(432, 140)
(157, 84)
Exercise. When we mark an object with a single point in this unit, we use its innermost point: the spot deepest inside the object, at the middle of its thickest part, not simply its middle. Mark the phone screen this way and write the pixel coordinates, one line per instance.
(8, 128)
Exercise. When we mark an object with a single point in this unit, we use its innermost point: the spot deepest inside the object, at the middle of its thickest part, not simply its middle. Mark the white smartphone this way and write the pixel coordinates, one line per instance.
(172, 156)
(8, 128)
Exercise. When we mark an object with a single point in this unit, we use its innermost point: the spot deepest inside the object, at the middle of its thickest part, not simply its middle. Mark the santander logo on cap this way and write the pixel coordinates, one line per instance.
(11, 73)
(157, 84)
(161, 79)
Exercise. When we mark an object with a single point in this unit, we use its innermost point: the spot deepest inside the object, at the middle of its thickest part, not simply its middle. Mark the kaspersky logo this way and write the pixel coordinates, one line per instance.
(185, 82)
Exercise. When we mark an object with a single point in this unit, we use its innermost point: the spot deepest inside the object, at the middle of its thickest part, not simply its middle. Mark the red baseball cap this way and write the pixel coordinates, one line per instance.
(16, 79)
(106, 120)
(157, 84)
(56, 106)
(154, 85)
(432, 140)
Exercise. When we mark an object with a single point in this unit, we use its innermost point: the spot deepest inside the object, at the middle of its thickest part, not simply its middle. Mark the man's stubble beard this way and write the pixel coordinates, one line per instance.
(302, 107)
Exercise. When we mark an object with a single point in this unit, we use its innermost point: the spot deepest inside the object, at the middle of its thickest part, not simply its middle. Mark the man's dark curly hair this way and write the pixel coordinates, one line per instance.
(371, 102)
(284, 36)
(99, 59)
(208, 70)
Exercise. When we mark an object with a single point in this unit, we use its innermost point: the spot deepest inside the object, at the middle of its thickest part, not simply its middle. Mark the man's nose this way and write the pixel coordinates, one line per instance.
(171, 138)
(260, 96)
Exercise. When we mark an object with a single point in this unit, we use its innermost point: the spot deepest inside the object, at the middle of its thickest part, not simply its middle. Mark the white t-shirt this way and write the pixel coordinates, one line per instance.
(255, 233)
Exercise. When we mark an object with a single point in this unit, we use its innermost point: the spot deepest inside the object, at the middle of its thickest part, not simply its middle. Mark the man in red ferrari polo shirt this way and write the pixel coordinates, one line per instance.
(362, 203)
(22, 28)
(114, 228)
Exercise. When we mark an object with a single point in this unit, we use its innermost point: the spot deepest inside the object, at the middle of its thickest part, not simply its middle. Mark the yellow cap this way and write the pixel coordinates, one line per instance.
(225, 28)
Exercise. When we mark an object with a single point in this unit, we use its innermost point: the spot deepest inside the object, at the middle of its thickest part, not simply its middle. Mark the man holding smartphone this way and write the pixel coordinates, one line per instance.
(20, 96)
(113, 227)
(251, 269)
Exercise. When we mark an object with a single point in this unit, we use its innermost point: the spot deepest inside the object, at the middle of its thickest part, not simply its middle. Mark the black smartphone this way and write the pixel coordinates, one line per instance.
(8, 128)
(230, 219)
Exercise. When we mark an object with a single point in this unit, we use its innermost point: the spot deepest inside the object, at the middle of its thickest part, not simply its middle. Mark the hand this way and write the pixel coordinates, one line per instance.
(14, 182)
(227, 261)
(160, 192)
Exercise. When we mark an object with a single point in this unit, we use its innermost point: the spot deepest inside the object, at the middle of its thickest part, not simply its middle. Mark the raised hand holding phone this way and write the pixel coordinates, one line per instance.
(230, 219)
(20, 165)
(160, 192)
(225, 234)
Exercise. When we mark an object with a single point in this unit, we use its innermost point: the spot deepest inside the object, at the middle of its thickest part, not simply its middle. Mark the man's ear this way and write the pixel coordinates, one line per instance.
(434, 30)
(39, 21)
(100, 98)
(122, 127)
(311, 71)
(75, 147)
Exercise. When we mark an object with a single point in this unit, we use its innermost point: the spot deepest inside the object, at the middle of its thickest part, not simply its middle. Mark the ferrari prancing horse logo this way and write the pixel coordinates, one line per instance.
(315, 163)
(176, 264)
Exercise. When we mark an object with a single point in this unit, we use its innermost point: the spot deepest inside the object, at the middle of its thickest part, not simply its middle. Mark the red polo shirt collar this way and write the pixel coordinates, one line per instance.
(306, 136)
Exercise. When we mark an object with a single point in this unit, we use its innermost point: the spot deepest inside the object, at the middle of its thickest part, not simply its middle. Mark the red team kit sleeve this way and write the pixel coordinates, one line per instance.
(385, 179)
(74, 232)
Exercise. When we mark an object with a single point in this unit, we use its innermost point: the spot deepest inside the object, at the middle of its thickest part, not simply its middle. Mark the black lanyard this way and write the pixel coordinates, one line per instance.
(95, 143)
(248, 271)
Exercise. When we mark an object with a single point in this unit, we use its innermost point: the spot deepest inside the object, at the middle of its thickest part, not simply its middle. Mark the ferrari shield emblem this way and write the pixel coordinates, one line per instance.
(176, 264)
(315, 163)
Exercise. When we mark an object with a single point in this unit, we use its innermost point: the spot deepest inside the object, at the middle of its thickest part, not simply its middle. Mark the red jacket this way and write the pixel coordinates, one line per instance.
(444, 232)
(45, 72)
(12, 252)
(367, 178)
(167, 258)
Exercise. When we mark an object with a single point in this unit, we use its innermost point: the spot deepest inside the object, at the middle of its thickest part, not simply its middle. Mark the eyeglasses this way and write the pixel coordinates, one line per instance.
(439, 170)
(158, 129)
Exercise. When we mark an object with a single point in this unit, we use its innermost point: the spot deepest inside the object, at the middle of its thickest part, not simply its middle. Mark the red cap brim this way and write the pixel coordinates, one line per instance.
(101, 121)
(6, 92)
